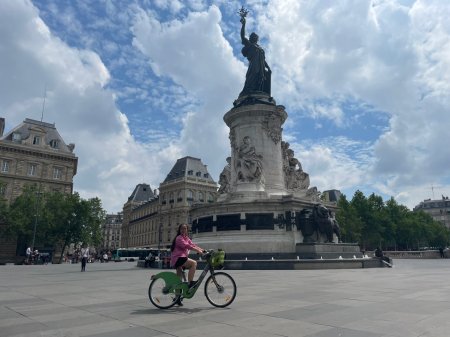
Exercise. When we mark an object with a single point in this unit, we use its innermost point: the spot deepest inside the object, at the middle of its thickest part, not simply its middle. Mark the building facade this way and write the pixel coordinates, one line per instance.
(154, 222)
(33, 153)
(111, 232)
(438, 209)
(142, 195)
(331, 196)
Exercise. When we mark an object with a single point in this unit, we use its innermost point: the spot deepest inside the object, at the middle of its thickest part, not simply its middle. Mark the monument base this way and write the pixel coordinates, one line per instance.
(328, 250)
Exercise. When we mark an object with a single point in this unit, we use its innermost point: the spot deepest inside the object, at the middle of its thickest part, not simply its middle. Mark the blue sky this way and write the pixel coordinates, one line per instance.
(138, 84)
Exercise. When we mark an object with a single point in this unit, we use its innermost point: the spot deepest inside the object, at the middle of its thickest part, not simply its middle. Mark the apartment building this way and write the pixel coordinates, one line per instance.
(33, 153)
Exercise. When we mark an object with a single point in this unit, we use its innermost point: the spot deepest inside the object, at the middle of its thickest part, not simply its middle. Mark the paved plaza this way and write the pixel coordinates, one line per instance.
(110, 300)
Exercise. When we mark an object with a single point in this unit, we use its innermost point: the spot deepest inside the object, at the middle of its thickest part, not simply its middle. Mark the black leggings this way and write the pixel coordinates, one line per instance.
(180, 262)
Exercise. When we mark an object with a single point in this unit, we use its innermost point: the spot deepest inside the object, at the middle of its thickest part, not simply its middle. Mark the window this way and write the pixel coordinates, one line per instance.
(2, 189)
(180, 196)
(206, 175)
(32, 168)
(190, 172)
(36, 140)
(200, 197)
(57, 173)
(5, 166)
(190, 195)
(198, 174)
(54, 143)
(16, 137)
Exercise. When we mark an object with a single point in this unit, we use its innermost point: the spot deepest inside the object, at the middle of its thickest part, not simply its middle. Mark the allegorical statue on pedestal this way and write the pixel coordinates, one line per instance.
(248, 162)
(257, 79)
(225, 178)
(295, 178)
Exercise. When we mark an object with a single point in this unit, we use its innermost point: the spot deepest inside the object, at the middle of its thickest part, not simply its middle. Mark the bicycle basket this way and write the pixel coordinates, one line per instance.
(217, 258)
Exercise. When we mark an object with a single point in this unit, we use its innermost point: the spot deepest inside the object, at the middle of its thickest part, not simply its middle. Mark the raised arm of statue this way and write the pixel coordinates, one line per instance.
(243, 38)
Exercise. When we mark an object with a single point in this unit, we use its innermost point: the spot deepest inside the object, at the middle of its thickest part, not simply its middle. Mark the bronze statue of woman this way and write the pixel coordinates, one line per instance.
(257, 78)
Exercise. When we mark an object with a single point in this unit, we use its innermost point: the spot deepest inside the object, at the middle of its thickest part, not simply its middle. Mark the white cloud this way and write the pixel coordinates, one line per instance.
(110, 161)
(174, 6)
(387, 57)
(392, 55)
(194, 54)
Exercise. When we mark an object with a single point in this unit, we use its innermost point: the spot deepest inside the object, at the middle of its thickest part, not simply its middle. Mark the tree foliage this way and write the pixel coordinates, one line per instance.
(372, 222)
(57, 219)
(3, 206)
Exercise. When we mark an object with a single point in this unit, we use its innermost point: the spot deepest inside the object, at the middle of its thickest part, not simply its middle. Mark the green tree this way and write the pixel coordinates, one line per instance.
(373, 222)
(60, 219)
(363, 212)
(4, 209)
(376, 221)
(23, 215)
(75, 220)
(349, 221)
(91, 233)
(439, 235)
(397, 215)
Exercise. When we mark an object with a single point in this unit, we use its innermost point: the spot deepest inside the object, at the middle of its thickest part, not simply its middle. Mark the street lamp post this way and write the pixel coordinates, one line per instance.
(160, 262)
(36, 216)
(160, 236)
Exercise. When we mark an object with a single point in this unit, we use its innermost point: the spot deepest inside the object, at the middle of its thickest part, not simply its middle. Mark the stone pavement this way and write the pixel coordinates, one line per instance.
(110, 300)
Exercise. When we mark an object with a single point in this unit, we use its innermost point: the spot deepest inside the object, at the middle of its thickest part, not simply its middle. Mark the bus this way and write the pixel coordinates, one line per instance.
(134, 254)
(129, 254)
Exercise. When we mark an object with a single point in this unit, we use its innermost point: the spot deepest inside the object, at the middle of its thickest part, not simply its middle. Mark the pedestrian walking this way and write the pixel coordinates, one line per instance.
(84, 257)
(28, 253)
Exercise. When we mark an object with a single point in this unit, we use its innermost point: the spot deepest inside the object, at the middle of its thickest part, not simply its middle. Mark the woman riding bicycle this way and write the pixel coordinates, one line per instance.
(181, 245)
(168, 289)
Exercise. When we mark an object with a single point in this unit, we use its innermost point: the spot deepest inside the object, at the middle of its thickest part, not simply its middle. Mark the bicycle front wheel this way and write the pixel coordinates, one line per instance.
(160, 294)
(220, 289)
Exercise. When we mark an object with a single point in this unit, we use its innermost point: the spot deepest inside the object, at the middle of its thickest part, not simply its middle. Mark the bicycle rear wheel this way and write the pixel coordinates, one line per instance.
(160, 295)
(220, 289)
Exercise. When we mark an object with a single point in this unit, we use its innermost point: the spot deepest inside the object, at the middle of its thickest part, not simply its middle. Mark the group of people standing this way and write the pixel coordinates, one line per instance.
(34, 257)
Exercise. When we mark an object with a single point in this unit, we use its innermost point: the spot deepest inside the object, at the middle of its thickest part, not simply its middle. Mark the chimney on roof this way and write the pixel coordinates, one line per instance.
(2, 126)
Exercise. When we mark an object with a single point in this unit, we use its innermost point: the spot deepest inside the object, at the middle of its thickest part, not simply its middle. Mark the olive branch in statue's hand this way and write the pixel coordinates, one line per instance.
(243, 13)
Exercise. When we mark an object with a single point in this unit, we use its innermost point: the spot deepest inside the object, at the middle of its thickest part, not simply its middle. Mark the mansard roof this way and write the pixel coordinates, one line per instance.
(51, 139)
(141, 193)
(189, 166)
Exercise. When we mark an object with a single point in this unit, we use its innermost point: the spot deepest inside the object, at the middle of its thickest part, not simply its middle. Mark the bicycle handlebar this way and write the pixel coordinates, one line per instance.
(208, 252)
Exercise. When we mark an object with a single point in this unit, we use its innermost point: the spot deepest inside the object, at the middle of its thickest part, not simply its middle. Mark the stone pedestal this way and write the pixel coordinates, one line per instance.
(328, 250)
(256, 155)
(259, 226)
(264, 191)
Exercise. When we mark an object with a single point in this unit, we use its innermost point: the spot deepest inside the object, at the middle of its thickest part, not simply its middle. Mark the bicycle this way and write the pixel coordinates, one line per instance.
(166, 288)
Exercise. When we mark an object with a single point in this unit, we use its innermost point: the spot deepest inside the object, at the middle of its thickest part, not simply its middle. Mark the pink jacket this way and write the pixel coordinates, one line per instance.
(182, 246)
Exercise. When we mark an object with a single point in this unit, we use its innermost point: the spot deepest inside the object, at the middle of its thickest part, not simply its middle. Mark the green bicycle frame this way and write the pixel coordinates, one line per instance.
(178, 287)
